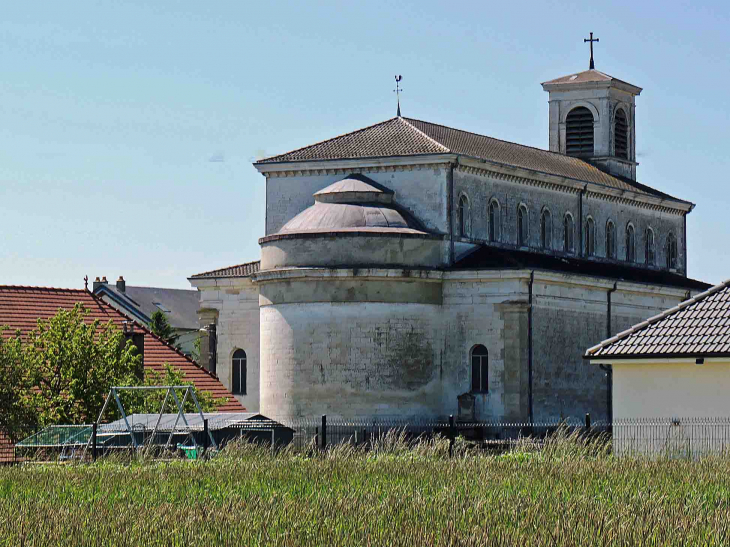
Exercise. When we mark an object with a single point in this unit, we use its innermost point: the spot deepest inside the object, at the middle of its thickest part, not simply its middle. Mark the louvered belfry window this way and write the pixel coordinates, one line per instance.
(579, 132)
(621, 133)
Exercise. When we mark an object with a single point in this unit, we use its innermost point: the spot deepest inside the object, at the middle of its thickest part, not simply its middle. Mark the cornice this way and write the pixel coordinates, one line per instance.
(355, 165)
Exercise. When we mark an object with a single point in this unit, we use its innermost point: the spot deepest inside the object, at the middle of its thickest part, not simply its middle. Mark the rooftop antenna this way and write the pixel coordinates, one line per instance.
(591, 40)
(397, 91)
(86, 282)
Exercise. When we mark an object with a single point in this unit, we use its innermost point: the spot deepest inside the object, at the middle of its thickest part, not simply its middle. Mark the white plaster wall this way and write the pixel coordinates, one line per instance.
(421, 191)
(351, 360)
(237, 303)
(671, 390)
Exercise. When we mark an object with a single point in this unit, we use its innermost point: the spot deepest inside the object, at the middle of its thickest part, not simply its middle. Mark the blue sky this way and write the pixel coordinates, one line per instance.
(127, 129)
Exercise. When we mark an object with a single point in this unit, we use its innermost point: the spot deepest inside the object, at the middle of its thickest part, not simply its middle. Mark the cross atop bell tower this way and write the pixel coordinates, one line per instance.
(591, 66)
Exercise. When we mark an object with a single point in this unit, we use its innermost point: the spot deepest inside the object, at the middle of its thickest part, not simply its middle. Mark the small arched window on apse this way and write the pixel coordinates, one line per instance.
(568, 233)
(590, 237)
(621, 134)
(546, 229)
(238, 366)
(630, 243)
(522, 224)
(579, 132)
(650, 251)
(610, 239)
(479, 369)
(463, 217)
(494, 220)
(671, 252)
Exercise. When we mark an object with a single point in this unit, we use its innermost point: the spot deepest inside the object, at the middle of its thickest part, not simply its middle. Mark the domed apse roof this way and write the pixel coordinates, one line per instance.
(355, 203)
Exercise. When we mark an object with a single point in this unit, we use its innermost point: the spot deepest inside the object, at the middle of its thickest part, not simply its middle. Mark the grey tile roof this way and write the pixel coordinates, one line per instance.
(591, 75)
(240, 270)
(409, 137)
(698, 327)
(179, 305)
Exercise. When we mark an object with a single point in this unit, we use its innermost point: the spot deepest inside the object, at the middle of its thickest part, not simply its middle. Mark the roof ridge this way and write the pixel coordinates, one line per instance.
(227, 267)
(327, 140)
(655, 319)
(409, 124)
(31, 287)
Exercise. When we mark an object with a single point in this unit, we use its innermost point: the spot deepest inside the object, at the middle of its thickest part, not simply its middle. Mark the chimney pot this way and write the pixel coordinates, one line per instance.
(103, 280)
(121, 284)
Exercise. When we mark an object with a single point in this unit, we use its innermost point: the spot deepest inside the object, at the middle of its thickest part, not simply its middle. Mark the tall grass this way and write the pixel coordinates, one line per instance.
(568, 492)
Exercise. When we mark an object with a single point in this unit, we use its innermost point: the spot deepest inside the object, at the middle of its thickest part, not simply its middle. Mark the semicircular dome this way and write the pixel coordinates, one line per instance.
(354, 203)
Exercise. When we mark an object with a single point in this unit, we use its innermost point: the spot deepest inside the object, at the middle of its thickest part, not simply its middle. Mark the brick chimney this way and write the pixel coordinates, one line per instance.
(99, 282)
(121, 284)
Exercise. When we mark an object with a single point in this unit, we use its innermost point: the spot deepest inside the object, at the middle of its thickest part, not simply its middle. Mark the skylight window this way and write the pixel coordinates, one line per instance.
(161, 307)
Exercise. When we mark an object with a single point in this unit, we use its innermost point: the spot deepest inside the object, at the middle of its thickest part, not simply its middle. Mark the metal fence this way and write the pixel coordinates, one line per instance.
(670, 437)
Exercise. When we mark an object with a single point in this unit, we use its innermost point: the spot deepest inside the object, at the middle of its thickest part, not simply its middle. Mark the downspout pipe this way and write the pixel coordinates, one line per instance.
(450, 211)
(580, 219)
(607, 368)
(529, 347)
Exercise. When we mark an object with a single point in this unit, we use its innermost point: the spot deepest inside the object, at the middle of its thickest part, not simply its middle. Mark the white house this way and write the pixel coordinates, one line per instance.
(673, 371)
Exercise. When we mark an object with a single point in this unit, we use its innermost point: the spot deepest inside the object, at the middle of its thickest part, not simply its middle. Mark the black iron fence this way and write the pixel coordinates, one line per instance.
(673, 437)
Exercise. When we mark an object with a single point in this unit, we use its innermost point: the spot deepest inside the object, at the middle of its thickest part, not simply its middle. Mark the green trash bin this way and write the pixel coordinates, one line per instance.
(191, 452)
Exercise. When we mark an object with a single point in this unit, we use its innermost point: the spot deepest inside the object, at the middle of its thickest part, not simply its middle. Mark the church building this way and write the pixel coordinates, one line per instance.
(414, 270)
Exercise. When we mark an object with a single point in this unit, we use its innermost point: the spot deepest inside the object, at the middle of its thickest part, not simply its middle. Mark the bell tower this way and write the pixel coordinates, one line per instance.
(592, 117)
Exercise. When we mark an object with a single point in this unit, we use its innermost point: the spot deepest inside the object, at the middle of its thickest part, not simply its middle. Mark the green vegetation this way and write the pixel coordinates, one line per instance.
(62, 371)
(162, 328)
(569, 493)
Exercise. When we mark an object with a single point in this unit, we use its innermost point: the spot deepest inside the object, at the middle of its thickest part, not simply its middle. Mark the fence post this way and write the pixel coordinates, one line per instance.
(206, 438)
(324, 431)
(452, 435)
(93, 442)
(588, 423)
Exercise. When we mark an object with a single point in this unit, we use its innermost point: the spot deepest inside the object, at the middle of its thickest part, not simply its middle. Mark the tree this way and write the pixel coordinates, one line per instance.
(17, 416)
(162, 328)
(71, 364)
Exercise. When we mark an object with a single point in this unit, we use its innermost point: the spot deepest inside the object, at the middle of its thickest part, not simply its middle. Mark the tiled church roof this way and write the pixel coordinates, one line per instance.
(21, 307)
(698, 327)
(240, 270)
(409, 137)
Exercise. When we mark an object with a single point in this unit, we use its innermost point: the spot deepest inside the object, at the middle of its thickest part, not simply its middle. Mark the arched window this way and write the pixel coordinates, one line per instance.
(463, 217)
(479, 369)
(590, 237)
(650, 252)
(546, 229)
(579, 132)
(238, 365)
(522, 226)
(671, 252)
(630, 243)
(494, 223)
(610, 239)
(621, 134)
(568, 233)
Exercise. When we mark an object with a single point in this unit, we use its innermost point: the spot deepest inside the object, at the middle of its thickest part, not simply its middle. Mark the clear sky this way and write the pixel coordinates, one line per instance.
(127, 129)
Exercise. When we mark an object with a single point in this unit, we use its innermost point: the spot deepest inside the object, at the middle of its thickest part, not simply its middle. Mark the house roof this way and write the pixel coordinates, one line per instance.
(698, 327)
(410, 137)
(239, 270)
(22, 307)
(487, 258)
(180, 306)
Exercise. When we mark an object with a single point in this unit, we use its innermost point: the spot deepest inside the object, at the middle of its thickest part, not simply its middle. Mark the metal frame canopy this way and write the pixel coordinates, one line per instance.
(189, 391)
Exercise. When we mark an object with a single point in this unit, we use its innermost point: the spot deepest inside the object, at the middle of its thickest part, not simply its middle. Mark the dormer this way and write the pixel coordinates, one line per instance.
(592, 117)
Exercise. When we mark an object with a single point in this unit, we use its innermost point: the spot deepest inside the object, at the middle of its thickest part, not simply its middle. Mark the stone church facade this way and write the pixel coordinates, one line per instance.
(415, 270)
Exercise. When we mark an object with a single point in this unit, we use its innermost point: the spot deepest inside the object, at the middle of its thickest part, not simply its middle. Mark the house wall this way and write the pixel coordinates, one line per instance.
(652, 389)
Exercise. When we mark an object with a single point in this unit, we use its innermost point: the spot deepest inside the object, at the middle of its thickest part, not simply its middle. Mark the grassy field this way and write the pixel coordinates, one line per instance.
(565, 494)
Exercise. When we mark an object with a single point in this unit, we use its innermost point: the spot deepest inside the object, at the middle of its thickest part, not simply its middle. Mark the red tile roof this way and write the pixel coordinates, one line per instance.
(21, 307)
(240, 270)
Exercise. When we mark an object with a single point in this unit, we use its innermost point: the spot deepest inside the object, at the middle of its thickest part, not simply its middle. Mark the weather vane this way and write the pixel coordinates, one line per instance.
(397, 91)
(591, 40)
